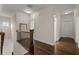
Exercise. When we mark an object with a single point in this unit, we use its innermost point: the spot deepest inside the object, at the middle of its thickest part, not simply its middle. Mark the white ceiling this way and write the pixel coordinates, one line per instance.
(12, 8)
(61, 8)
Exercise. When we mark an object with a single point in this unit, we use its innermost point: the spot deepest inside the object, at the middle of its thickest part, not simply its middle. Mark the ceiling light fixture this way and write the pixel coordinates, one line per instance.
(29, 11)
(68, 12)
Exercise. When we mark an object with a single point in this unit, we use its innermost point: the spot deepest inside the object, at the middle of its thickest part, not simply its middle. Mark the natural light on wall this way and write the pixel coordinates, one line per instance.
(32, 21)
(5, 24)
(55, 28)
(33, 18)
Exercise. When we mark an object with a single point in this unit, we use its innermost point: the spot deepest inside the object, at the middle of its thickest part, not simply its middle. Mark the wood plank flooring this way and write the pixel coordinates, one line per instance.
(66, 47)
(39, 47)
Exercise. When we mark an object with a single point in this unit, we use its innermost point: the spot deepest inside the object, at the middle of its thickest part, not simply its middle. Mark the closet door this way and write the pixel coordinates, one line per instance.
(67, 25)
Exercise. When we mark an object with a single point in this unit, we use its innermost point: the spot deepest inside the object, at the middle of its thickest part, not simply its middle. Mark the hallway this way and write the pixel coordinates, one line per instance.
(40, 29)
(64, 46)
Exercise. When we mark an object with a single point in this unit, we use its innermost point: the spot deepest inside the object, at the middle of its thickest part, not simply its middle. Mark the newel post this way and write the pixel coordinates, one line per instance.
(2, 40)
(31, 42)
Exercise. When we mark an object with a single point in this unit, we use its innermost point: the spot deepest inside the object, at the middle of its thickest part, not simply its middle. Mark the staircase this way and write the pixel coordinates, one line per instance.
(27, 42)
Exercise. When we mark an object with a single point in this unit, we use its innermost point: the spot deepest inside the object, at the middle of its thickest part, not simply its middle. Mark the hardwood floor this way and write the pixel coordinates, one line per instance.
(39, 47)
(65, 46)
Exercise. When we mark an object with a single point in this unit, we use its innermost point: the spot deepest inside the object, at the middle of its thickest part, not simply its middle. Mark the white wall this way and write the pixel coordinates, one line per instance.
(76, 12)
(47, 26)
(56, 27)
(44, 26)
(5, 25)
(23, 18)
(0, 7)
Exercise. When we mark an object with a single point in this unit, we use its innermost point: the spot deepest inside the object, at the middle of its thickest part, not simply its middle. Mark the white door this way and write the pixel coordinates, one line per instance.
(67, 25)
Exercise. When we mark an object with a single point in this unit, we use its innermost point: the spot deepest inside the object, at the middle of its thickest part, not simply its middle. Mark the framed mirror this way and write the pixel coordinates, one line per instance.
(23, 27)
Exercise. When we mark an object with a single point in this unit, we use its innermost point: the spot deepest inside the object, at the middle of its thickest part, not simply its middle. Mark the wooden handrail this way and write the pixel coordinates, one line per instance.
(2, 40)
(23, 31)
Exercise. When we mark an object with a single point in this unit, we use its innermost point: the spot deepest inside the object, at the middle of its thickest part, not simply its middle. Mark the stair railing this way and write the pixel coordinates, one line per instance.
(2, 34)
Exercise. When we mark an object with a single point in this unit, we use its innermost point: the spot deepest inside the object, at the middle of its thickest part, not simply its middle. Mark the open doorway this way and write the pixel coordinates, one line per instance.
(67, 25)
(66, 44)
